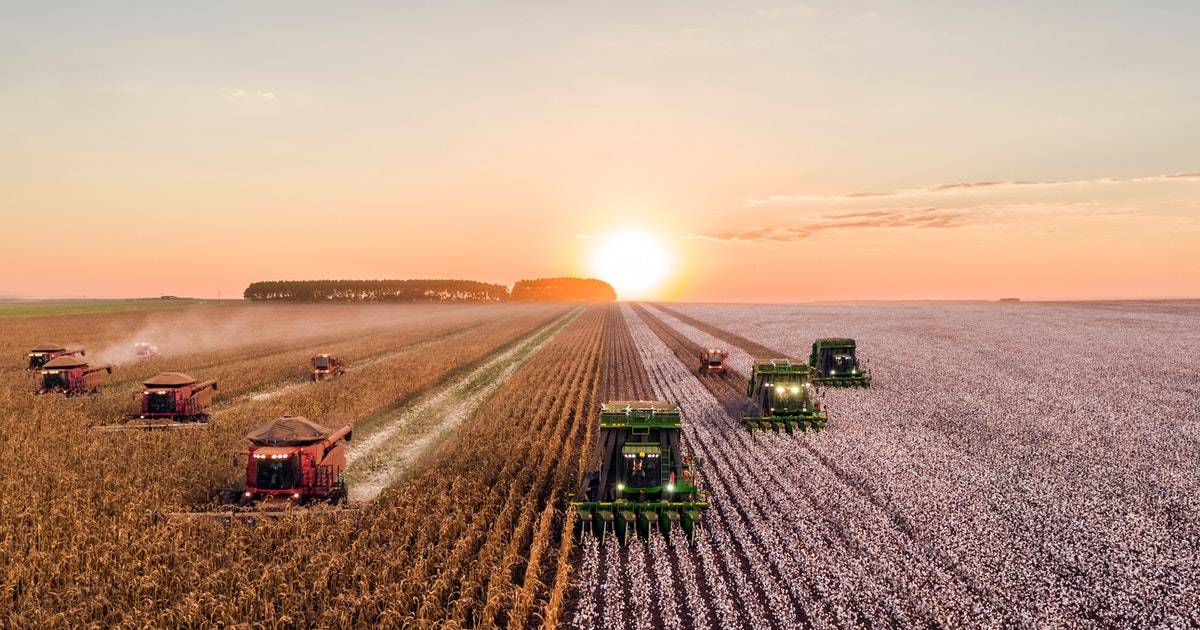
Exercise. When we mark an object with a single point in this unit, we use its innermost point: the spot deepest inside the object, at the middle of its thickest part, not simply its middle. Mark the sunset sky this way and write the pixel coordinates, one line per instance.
(736, 152)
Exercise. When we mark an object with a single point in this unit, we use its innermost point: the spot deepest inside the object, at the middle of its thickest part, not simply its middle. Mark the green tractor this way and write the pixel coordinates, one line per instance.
(782, 396)
(836, 364)
(639, 480)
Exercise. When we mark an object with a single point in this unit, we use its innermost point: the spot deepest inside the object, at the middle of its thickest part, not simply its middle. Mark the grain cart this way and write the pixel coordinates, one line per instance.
(72, 376)
(40, 355)
(639, 479)
(712, 361)
(782, 396)
(327, 366)
(171, 400)
(836, 364)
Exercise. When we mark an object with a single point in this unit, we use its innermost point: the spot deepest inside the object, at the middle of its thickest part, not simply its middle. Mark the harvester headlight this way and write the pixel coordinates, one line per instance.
(795, 389)
(248, 493)
(670, 487)
(620, 487)
(832, 372)
(296, 495)
(854, 371)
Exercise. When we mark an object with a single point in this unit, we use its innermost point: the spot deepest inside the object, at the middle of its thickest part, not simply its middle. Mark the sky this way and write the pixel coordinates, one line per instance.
(766, 152)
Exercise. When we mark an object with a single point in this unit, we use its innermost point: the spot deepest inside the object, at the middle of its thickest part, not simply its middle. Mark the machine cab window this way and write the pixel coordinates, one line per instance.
(643, 465)
(276, 471)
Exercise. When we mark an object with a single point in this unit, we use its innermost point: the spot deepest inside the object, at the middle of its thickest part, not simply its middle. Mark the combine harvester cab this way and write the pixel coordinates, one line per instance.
(639, 479)
(43, 354)
(171, 400)
(327, 366)
(712, 361)
(72, 376)
(836, 364)
(782, 397)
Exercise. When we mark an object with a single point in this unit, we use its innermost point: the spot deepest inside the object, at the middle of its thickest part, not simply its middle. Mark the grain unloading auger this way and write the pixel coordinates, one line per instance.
(638, 479)
(835, 362)
(782, 398)
(171, 400)
(293, 466)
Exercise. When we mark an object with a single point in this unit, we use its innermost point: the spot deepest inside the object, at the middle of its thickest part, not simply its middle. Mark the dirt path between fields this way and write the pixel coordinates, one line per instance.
(379, 460)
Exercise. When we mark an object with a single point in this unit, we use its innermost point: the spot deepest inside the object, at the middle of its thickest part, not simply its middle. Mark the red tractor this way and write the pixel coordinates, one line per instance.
(712, 361)
(42, 354)
(72, 376)
(292, 462)
(176, 397)
(327, 366)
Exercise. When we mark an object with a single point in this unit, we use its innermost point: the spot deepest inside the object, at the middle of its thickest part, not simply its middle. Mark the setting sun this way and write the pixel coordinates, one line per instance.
(634, 261)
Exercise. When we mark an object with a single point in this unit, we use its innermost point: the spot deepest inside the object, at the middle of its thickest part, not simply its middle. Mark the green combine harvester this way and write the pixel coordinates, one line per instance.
(782, 397)
(837, 365)
(639, 479)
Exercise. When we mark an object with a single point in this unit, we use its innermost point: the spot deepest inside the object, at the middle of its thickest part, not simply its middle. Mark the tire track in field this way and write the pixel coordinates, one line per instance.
(898, 521)
(376, 462)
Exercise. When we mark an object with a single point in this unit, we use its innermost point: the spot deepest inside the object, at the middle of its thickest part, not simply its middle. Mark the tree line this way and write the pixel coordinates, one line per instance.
(539, 290)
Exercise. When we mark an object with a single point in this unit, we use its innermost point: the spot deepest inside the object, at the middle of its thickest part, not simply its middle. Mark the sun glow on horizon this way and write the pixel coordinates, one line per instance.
(634, 261)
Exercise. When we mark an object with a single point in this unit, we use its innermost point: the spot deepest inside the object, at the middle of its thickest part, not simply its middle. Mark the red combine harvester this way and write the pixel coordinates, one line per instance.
(170, 400)
(72, 376)
(712, 361)
(327, 366)
(291, 463)
(42, 354)
(143, 350)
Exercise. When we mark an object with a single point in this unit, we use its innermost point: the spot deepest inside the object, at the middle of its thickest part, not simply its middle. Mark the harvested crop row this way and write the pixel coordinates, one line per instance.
(1003, 448)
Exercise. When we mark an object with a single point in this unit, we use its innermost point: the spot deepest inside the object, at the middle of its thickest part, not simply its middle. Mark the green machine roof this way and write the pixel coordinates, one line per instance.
(639, 413)
(780, 366)
(837, 342)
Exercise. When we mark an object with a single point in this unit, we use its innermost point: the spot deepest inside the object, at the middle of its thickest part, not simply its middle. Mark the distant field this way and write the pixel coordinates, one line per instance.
(51, 308)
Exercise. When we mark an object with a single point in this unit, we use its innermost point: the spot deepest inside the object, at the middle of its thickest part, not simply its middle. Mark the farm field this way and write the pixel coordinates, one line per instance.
(1025, 465)
(1028, 465)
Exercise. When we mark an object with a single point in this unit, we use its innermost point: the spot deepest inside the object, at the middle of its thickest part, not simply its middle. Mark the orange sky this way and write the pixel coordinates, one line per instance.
(173, 150)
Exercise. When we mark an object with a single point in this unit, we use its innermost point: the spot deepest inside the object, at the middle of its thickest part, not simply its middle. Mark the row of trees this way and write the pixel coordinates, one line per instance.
(541, 290)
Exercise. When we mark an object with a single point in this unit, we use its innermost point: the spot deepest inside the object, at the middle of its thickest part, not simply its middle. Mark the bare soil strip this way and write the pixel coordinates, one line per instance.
(753, 348)
(380, 459)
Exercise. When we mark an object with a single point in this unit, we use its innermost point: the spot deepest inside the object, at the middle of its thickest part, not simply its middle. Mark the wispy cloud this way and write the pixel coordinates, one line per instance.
(962, 187)
(916, 218)
(240, 93)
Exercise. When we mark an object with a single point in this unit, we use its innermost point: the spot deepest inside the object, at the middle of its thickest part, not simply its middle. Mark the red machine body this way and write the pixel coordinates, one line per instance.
(293, 461)
(176, 396)
(327, 366)
(41, 355)
(71, 375)
(143, 350)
